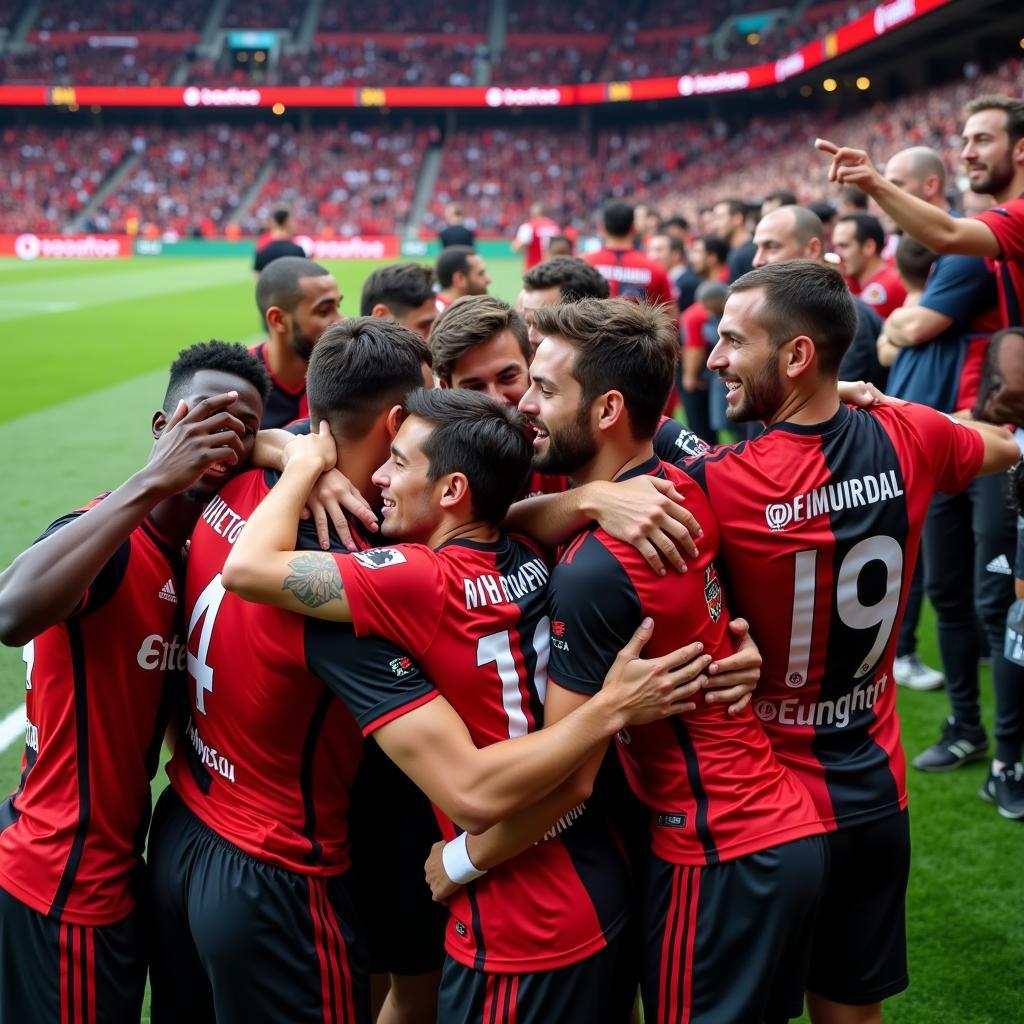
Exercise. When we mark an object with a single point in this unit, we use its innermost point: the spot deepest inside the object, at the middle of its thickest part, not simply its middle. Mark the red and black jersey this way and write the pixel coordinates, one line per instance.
(268, 755)
(98, 693)
(674, 443)
(1006, 222)
(883, 292)
(632, 275)
(285, 404)
(474, 616)
(822, 526)
(712, 783)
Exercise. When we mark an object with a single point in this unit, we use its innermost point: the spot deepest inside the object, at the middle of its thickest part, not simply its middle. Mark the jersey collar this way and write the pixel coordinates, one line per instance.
(815, 429)
(651, 466)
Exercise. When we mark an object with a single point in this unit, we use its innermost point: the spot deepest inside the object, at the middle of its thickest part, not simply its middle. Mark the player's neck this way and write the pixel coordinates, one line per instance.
(475, 530)
(358, 463)
(1013, 190)
(807, 409)
(176, 517)
(285, 363)
(871, 268)
(618, 243)
(613, 460)
(450, 294)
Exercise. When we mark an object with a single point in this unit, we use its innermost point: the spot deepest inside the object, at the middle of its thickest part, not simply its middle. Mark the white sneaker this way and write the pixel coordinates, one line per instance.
(911, 672)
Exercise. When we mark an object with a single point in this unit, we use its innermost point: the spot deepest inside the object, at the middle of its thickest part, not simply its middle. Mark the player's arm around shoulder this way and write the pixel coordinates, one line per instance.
(264, 566)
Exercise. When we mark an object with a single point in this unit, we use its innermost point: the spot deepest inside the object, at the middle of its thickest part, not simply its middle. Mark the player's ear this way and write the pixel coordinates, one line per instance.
(276, 318)
(454, 489)
(159, 423)
(814, 249)
(443, 384)
(801, 356)
(394, 419)
(381, 312)
(612, 407)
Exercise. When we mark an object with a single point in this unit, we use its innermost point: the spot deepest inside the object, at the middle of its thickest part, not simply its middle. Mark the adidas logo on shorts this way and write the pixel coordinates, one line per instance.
(167, 592)
(1001, 565)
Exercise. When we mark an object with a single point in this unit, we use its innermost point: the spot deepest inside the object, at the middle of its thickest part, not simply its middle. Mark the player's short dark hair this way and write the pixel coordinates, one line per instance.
(1012, 107)
(855, 197)
(630, 347)
(561, 241)
(805, 297)
(280, 216)
(735, 204)
(471, 321)
(400, 286)
(914, 261)
(715, 246)
(676, 221)
(866, 229)
(279, 282)
(781, 196)
(358, 369)
(825, 211)
(480, 437)
(618, 219)
(214, 355)
(452, 260)
(574, 278)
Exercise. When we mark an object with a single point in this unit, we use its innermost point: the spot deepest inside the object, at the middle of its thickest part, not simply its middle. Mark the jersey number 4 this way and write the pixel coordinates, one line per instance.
(206, 607)
(880, 616)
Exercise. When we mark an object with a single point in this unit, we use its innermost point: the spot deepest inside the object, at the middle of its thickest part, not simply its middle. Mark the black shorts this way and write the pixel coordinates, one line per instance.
(393, 827)
(51, 971)
(730, 943)
(861, 938)
(243, 942)
(598, 990)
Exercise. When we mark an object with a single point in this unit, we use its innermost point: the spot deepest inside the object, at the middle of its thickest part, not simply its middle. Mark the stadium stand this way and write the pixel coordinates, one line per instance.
(397, 17)
(122, 16)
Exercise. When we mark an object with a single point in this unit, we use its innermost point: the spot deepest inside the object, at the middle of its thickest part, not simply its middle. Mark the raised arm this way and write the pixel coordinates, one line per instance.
(928, 224)
(46, 583)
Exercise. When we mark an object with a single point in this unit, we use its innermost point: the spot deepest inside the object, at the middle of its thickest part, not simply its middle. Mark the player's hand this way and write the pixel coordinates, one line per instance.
(314, 449)
(646, 512)
(865, 395)
(850, 166)
(442, 888)
(732, 680)
(332, 494)
(645, 690)
(196, 441)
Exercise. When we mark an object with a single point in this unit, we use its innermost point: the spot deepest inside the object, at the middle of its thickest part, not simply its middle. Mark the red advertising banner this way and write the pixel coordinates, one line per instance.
(357, 247)
(28, 246)
(884, 18)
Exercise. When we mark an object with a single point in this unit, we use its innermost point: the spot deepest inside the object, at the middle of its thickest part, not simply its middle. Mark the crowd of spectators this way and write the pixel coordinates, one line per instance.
(122, 15)
(187, 181)
(345, 180)
(400, 16)
(262, 14)
(86, 63)
(49, 174)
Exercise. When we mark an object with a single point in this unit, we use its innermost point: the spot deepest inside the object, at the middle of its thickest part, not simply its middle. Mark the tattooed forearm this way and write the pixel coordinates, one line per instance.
(315, 579)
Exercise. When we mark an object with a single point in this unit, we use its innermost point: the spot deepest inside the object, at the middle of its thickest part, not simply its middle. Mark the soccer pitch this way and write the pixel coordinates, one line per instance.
(83, 361)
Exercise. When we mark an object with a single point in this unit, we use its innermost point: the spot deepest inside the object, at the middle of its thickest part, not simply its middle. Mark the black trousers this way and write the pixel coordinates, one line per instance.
(970, 542)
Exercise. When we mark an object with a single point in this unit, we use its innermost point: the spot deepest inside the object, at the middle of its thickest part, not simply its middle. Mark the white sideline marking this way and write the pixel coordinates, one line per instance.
(12, 727)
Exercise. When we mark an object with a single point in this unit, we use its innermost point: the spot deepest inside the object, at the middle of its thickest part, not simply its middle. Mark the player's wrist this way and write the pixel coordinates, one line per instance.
(458, 864)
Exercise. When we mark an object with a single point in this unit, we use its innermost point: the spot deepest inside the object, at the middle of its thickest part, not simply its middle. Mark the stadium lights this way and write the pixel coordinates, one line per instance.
(278, 108)
(754, 38)
(863, 83)
(830, 85)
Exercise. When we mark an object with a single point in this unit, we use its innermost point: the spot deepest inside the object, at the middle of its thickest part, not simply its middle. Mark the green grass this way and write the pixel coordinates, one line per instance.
(82, 366)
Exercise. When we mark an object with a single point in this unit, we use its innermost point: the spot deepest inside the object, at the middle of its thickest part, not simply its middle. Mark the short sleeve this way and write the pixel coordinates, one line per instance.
(675, 443)
(691, 326)
(396, 593)
(109, 578)
(1006, 222)
(955, 450)
(594, 610)
(376, 680)
(960, 287)
(661, 289)
(524, 234)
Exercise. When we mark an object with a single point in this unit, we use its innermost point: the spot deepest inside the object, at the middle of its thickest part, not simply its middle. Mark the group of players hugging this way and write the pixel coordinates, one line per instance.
(527, 618)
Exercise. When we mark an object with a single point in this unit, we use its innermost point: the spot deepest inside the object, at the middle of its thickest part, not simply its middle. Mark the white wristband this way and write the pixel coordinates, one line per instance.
(457, 864)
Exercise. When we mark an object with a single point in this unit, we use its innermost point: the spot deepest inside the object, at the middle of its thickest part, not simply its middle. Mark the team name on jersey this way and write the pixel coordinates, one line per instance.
(564, 822)
(208, 755)
(494, 589)
(834, 497)
(627, 275)
(31, 736)
(792, 711)
(158, 653)
(223, 519)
